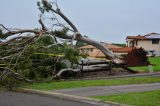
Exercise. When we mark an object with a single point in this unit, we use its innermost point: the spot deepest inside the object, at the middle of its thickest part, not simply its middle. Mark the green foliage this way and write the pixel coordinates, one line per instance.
(1, 33)
(45, 40)
(71, 54)
(44, 6)
(2, 36)
(37, 61)
(61, 32)
(10, 82)
(60, 66)
(120, 44)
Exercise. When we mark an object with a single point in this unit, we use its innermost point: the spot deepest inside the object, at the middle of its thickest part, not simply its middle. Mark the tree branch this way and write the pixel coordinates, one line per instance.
(21, 31)
(4, 27)
(58, 11)
(17, 75)
(77, 35)
(44, 28)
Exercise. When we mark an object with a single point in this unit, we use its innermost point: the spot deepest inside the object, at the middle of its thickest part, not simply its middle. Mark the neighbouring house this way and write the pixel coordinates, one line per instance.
(150, 42)
(94, 52)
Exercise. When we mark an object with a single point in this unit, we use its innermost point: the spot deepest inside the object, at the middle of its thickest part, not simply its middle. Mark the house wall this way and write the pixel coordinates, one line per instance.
(147, 45)
(120, 54)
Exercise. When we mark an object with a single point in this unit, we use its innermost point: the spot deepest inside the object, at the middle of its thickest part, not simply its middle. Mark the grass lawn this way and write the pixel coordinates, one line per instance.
(86, 83)
(153, 60)
(151, 98)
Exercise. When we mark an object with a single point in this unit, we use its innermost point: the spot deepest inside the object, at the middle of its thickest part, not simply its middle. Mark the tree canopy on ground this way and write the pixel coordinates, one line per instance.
(24, 52)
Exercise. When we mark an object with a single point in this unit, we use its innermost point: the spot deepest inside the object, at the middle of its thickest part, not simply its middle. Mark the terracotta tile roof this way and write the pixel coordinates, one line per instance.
(122, 50)
(114, 48)
(110, 46)
(93, 54)
(147, 36)
(87, 47)
(136, 37)
(105, 44)
(98, 53)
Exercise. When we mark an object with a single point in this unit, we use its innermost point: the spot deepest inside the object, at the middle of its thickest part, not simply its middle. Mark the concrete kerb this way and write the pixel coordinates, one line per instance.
(72, 97)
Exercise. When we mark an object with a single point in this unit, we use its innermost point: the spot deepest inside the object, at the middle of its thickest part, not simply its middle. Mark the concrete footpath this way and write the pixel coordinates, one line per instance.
(109, 90)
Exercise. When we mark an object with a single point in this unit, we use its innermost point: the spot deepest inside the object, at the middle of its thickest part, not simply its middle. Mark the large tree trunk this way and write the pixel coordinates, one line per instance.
(77, 36)
(98, 45)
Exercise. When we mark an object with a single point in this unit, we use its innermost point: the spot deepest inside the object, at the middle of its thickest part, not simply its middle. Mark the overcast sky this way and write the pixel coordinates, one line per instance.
(102, 20)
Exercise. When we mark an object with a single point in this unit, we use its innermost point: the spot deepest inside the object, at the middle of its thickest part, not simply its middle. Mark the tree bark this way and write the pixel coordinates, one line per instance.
(98, 45)
(77, 36)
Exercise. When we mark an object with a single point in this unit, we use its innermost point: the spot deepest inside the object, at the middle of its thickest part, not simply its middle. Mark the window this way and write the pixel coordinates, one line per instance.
(155, 41)
(136, 42)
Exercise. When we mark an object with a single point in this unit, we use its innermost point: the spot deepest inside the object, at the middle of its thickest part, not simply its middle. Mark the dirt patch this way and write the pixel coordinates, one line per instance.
(137, 57)
(114, 72)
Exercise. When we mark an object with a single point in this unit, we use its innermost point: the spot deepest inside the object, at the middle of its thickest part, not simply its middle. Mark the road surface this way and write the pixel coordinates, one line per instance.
(22, 99)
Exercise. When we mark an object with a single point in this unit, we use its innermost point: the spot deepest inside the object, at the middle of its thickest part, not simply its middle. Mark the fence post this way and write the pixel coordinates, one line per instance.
(82, 68)
(110, 67)
(150, 68)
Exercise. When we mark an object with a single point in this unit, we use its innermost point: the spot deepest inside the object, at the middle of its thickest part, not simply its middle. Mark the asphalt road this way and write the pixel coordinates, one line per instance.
(22, 99)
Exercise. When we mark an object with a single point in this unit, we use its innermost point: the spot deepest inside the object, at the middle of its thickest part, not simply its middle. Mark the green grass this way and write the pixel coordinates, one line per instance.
(89, 83)
(153, 60)
(151, 98)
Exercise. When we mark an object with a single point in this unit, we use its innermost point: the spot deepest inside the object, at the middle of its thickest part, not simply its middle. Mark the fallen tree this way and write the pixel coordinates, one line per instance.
(23, 37)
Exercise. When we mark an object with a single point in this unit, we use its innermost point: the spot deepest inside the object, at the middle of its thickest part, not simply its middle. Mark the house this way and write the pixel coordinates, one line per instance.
(150, 42)
(94, 52)
(122, 51)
